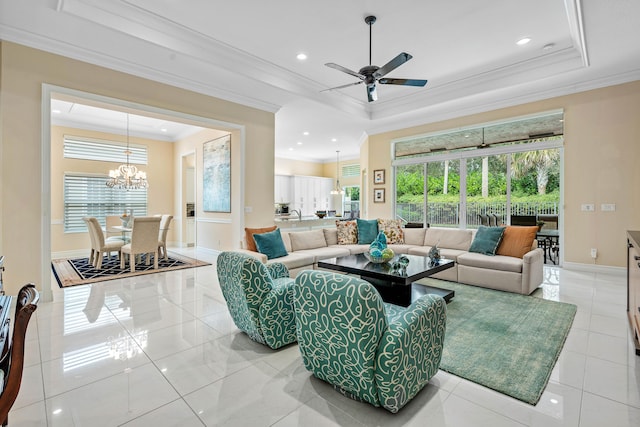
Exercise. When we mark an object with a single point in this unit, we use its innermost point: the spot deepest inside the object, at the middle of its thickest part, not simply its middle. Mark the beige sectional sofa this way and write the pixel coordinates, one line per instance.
(520, 275)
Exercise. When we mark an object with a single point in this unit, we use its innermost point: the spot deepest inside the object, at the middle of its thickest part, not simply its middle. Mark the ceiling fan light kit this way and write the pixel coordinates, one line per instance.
(372, 74)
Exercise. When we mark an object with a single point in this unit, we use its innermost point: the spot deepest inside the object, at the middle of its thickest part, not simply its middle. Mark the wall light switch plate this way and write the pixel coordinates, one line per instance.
(588, 207)
(248, 209)
(608, 207)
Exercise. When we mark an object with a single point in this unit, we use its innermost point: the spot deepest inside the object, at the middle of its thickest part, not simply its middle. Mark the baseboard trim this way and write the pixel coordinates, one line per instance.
(592, 268)
(78, 253)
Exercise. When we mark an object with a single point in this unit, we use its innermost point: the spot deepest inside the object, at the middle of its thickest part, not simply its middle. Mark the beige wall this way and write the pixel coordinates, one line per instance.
(298, 167)
(213, 230)
(23, 71)
(159, 173)
(601, 157)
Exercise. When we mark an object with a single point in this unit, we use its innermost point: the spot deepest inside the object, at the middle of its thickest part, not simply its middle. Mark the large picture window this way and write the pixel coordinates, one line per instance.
(482, 175)
(87, 195)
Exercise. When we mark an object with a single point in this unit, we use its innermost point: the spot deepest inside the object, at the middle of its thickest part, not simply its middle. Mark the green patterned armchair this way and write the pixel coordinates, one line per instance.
(368, 350)
(259, 297)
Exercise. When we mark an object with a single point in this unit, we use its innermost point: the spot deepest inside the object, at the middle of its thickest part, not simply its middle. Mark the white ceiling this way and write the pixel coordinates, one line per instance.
(245, 51)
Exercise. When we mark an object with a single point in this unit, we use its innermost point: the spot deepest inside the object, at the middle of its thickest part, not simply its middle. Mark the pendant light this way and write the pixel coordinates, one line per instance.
(127, 176)
(337, 189)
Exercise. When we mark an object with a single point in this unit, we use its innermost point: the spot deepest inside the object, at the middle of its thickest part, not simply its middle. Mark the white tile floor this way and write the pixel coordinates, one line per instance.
(162, 350)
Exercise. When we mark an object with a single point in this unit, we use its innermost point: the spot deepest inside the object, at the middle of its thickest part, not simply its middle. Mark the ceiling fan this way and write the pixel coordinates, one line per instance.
(371, 74)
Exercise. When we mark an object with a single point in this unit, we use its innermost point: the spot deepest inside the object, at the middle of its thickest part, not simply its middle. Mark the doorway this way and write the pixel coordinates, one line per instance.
(188, 231)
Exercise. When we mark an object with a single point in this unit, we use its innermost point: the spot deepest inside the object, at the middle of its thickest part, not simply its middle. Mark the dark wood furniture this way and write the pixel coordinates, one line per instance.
(12, 358)
(633, 285)
(394, 287)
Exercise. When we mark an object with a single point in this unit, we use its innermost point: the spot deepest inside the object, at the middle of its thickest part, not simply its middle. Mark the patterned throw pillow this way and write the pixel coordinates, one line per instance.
(347, 232)
(392, 228)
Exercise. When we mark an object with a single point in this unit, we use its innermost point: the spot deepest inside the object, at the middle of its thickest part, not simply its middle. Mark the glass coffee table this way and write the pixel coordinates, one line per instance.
(395, 287)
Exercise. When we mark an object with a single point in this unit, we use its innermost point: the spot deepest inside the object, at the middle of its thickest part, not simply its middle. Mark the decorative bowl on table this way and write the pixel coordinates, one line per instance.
(321, 214)
(385, 257)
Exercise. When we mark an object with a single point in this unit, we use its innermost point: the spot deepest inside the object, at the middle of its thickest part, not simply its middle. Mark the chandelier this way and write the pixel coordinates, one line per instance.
(337, 189)
(127, 176)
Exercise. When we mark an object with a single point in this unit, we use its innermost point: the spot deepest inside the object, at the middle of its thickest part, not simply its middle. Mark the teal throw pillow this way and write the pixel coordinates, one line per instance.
(367, 230)
(487, 240)
(270, 244)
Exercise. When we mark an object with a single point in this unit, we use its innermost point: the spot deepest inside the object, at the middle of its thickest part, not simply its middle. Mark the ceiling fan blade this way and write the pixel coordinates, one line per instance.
(344, 70)
(372, 94)
(343, 86)
(404, 82)
(392, 65)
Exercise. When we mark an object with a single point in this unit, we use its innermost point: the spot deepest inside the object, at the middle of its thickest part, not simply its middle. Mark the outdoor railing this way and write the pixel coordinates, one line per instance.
(448, 214)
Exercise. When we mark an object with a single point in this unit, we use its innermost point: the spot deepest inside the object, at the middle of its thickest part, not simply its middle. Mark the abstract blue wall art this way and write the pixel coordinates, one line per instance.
(216, 194)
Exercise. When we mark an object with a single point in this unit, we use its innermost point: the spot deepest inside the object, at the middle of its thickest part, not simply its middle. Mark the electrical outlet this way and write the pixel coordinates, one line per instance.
(594, 253)
(588, 207)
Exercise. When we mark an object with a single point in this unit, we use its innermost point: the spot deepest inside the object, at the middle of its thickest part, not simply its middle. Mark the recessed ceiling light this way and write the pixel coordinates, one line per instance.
(290, 148)
(548, 46)
(55, 111)
(301, 56)
(333, 140)
(299, 142)
(305, 133)
(163, 130)
(523, 41)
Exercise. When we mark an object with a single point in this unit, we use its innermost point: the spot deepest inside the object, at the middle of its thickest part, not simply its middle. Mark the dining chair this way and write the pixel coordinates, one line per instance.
(110, 232)
(99, 244)
(144, 240)
(162, 236)
(92, 254)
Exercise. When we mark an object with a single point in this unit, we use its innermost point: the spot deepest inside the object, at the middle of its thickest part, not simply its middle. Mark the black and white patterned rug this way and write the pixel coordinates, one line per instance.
(78, 271)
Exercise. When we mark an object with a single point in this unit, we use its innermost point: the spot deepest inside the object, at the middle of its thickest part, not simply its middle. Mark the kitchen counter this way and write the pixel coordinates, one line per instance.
(292, 223)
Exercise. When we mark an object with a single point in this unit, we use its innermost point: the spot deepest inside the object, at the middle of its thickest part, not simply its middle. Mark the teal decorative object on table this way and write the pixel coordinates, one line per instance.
(378, 250)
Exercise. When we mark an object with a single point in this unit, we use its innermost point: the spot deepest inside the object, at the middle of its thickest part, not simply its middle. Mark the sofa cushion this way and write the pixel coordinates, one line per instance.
(414, 236)
(301, 240)
(444, 252)
(392, 229)
(517, 241)
(498, 262)
(327, 252)
(367, 230)
(331, 235)
(347, 232)
(270, 244)
(487, 240)
(452, 238)
(248, 236)
(296, 260)
(354, 249)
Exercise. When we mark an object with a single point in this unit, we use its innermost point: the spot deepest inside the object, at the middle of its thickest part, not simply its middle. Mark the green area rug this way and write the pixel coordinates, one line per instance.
(501, 340)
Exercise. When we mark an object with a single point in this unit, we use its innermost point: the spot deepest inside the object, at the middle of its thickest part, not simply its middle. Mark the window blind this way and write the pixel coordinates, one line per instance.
(351, 170)
(87, 195)
(102, 150)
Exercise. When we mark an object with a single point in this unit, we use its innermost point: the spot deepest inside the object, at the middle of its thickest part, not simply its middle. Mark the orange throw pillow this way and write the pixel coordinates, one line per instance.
(248, 236)
(517, 240)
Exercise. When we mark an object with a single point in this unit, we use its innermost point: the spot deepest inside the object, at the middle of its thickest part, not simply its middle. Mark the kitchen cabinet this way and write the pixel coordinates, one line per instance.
(633, 285)
(310, 194)
(283, 189)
